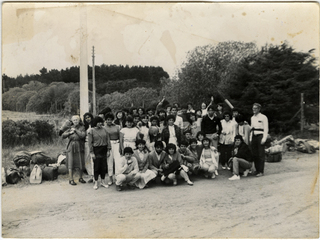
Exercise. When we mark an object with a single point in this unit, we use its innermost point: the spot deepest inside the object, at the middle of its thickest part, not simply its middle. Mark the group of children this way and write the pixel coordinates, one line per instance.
(136, 146)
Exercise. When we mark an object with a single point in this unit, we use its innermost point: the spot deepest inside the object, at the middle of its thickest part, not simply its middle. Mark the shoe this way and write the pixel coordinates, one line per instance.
(216, 172)
(223, 167)
(90, 180)
(175, 182)
(118, 188)
(103, 184)
(213, 176)
(234, 177)
(245, 173)
(71, 182)
(110, 182)
(95, 186)
(81, 180)
(228, 168)
(190, 183)
(259, 175)
(163, 178)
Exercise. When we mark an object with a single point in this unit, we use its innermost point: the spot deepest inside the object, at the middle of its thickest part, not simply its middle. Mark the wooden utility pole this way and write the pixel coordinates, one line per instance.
(84, 87)
(302, 113)
(94, 110)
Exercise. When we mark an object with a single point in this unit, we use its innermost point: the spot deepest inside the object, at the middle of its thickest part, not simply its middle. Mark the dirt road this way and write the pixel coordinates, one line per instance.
(282, 204)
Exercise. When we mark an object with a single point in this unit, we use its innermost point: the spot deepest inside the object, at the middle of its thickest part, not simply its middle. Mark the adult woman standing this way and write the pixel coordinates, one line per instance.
(194, 126)
(75, 148)
(141, 154)
(128, 135)
(114, 134)
(226, 139)
(120, 119)
(87, 119)
(99, 144)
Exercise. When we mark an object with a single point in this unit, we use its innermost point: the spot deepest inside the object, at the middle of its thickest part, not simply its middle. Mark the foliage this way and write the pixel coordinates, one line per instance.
(23, 99)
(144, 75)
(10, 98)
(275, 77)
(26, 133)
(210, 68)
(145, 97)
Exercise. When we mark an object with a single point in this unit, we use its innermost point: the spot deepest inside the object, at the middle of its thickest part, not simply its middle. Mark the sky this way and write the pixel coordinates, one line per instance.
(37, 35)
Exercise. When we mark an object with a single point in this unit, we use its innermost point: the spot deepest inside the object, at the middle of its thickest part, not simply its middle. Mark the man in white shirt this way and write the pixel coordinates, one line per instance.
(259, 134)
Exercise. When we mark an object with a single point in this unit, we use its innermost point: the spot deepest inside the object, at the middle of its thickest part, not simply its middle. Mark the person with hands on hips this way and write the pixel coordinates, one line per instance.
(259, 134)
(100, 146)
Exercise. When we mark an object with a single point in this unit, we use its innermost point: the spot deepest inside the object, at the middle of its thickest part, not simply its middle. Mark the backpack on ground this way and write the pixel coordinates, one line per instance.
(36, 175)
(13, 176)
(22, 158)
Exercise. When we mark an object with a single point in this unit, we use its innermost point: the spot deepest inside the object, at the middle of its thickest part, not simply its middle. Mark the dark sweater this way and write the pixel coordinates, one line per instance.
(209, 126)
(244, 152)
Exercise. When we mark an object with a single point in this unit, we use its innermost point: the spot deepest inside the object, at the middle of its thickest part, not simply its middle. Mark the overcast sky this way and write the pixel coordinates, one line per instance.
(154, 34)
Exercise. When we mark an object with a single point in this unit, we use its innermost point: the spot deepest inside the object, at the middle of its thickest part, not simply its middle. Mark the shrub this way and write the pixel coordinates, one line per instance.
(26, 133)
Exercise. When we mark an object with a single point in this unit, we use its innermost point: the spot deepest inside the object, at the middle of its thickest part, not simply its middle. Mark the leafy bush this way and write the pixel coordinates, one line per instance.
(26, 133)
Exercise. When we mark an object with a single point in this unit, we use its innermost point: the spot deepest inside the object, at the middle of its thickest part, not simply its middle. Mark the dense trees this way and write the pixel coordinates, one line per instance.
(211, 68)
(276, 76)
(113, 75)
(273, 76)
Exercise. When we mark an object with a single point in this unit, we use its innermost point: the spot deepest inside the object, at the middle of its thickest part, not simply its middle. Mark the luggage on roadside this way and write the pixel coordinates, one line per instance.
(36, 175)
(13, 176)
(22, 158)
(276, 157)
(50, 173)
(62, 169)
(38, 157)
(25, 170)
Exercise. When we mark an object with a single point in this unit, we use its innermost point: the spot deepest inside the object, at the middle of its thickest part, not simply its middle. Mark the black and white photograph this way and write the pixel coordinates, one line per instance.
(160, 120)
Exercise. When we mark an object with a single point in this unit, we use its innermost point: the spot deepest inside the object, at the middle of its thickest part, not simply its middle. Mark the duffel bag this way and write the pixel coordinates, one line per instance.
(62, 169)
(22, 158)
(13, 176)
(38, 157)
(50, 173)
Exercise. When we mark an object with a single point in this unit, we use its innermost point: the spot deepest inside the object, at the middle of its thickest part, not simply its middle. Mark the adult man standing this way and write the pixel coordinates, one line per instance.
(259, 130)
(211, 126)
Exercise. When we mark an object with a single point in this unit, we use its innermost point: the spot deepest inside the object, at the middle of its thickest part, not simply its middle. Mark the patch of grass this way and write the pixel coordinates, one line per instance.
(50, 150)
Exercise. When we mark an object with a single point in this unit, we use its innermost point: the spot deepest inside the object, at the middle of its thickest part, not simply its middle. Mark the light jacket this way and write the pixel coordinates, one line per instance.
(214, 156)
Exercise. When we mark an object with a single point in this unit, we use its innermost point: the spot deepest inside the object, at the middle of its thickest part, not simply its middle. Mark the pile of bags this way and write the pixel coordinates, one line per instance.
(274, 152)
(35, 165)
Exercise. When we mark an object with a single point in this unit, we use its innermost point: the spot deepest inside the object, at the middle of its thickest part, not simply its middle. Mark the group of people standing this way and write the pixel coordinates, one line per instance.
(133, 147)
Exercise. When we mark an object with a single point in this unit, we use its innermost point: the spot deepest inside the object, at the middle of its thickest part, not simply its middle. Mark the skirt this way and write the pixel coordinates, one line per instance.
(145, 178)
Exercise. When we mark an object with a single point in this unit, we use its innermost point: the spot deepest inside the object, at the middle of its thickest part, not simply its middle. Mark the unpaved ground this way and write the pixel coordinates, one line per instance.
(282, 204)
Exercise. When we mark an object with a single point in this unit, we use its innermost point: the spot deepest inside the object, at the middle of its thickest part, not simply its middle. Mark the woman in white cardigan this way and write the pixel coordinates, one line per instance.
(209, 159)
(141, 154)
(226, 139)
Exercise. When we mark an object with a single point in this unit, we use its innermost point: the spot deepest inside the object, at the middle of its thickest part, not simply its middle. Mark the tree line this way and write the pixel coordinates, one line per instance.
(109, 78)
(273, 75)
